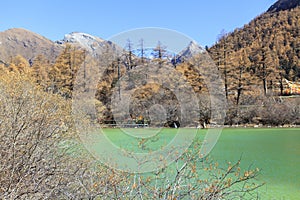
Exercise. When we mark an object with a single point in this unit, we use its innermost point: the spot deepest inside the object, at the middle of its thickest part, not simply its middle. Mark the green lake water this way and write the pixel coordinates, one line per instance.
(276, 152)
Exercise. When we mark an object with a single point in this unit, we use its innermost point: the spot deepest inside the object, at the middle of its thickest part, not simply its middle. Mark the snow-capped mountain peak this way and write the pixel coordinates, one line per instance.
(187, 53)
(192, 49)
(87, 41)
(77, 36)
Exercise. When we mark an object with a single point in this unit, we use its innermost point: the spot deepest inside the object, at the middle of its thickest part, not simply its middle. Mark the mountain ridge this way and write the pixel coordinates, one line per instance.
(19, 41)
(28, 44)
(282, 5)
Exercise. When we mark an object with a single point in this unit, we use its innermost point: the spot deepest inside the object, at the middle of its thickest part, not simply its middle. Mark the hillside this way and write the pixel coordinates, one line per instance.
(267, 49)
(28, 44)
(259, 64)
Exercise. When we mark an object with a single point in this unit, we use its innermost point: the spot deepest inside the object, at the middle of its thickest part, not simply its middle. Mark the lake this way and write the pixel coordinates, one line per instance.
(275, 151)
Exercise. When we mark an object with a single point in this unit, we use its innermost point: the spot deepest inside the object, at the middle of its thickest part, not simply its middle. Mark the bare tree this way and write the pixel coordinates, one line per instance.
(142, 51)
(159, 53)
(41, 156)
(194, 177)
(129, 55)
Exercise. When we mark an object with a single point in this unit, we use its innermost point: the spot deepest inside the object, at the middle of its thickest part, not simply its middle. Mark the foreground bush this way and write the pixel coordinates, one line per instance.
(41, 157)
(36, 159)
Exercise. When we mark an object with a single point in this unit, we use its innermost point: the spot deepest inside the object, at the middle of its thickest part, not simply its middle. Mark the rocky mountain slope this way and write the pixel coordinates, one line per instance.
(92, 44)
(28, 44)
(18, 41)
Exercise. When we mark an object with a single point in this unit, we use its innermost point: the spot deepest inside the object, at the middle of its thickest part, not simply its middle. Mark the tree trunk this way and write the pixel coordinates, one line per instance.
(265, 86)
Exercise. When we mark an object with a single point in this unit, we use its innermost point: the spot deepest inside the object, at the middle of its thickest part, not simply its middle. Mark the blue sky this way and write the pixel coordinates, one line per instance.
(199, 19)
